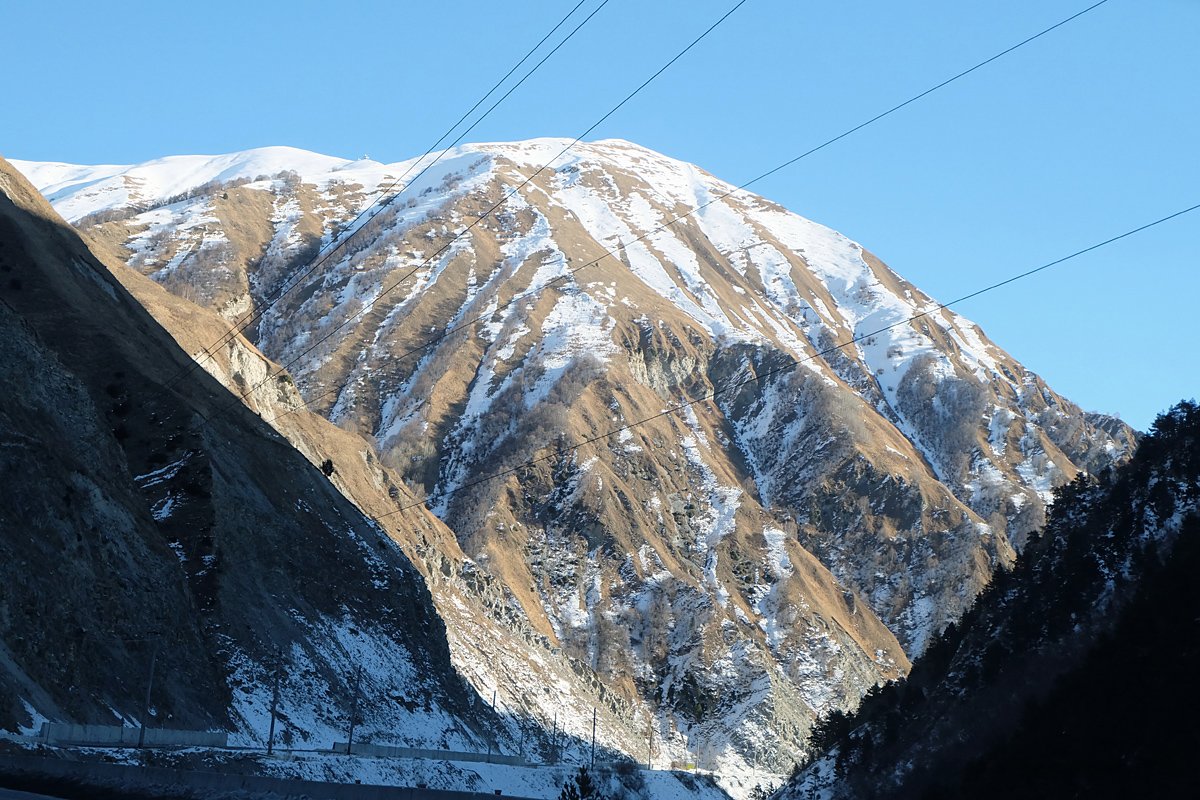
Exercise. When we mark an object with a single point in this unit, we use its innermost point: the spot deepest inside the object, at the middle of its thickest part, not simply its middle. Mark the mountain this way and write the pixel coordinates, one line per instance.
(726, 574)
(1071, 676)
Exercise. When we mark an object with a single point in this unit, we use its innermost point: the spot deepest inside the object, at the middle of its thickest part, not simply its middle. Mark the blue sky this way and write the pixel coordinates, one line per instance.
(1072, 139)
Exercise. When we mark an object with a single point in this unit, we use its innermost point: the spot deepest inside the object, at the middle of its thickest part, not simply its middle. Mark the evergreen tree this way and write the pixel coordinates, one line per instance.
(581, 787)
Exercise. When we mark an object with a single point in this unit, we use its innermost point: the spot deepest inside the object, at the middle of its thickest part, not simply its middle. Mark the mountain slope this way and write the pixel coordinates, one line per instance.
(491, 643)
(737, 569)
(1071, 676)
(151, 523)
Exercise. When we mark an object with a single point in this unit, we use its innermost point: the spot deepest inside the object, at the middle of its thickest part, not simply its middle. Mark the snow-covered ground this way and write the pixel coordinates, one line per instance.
(627, 782)
(534, 782)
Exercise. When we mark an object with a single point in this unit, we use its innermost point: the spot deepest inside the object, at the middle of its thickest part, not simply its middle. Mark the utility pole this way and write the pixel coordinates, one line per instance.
(149, 688)
(491, 743)
(649, 741)
(275, 699)
(354, 711)
(554, 739)
(593, 737)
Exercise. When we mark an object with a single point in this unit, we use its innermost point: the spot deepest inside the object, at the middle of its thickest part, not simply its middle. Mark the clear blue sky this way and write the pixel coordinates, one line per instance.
(1083, 134)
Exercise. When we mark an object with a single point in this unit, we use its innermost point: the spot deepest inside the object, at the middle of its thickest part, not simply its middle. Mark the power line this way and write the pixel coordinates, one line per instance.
(789, 366)
(741, 187)
(931, 90)
(486, 214)
(338, 243)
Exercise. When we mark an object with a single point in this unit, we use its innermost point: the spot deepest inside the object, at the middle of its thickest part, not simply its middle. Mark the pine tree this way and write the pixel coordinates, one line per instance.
(581, 787)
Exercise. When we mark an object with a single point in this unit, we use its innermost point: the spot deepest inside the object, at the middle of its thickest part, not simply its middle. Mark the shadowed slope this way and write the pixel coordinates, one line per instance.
(132, 527)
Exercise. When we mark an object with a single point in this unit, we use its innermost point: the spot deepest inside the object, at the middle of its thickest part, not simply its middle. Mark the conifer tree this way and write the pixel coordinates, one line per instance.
(581, 787)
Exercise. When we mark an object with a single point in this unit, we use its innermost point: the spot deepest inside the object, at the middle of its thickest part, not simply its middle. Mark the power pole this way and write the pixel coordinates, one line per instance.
(554, 739)
(354, 711)
(275, 699)
(593, 737)
(491, 743)
(149, 688)
(649, 741)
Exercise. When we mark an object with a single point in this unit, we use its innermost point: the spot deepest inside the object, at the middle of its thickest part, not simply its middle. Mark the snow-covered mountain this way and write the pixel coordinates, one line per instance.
(726, 573)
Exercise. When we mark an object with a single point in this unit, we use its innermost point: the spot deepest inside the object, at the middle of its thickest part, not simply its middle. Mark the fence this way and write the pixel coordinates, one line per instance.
(386, 751)
(118, 735)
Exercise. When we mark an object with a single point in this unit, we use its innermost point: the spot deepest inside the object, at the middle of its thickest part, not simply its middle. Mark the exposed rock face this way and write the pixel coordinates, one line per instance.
(733, 569)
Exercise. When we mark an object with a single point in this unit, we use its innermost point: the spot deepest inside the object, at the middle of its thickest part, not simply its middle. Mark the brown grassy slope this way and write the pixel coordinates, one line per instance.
(268, 390)
(815, 606)
(487, 625)
(504, 600)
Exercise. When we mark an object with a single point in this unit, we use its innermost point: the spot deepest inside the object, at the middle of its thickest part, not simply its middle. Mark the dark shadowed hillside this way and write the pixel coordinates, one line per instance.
(148, 521)
(1073, 674)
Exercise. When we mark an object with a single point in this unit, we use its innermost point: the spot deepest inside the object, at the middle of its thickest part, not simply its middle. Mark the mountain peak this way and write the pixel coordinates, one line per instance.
(78, 190)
